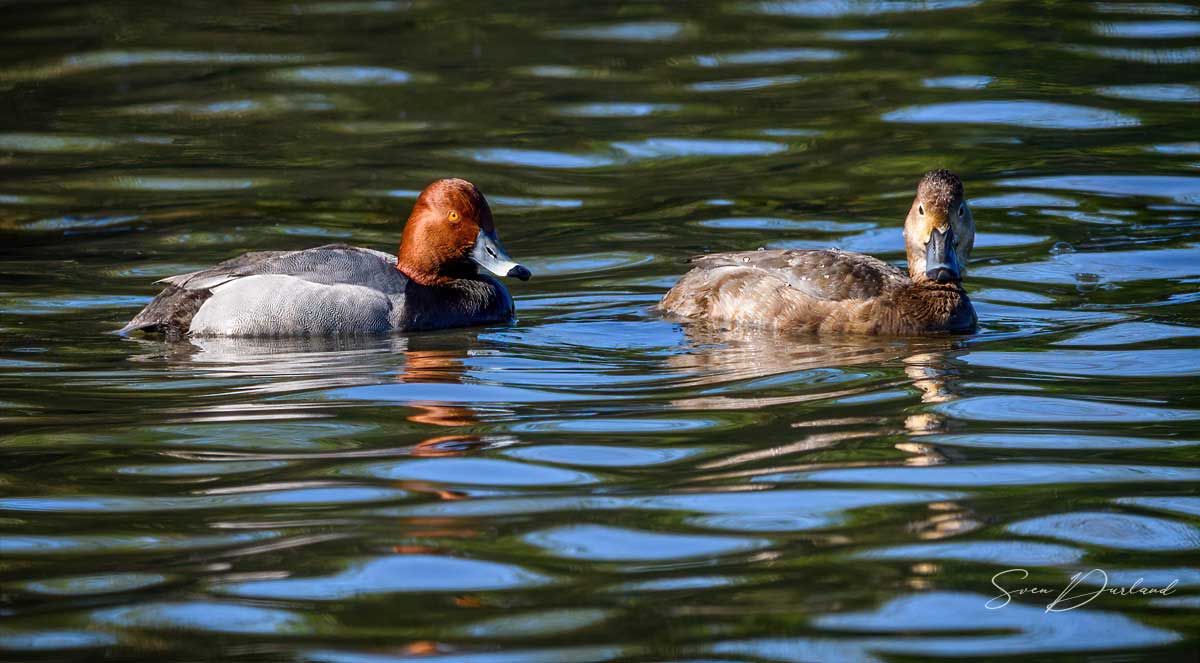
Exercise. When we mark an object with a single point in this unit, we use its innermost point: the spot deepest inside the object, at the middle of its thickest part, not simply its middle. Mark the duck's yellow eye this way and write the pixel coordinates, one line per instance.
(454, 216)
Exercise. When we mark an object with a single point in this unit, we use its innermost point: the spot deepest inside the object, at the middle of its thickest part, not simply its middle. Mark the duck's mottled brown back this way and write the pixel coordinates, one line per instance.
(801, 290)
(830, 274)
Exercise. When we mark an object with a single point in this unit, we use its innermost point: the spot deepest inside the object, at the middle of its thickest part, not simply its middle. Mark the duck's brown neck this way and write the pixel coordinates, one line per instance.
(937, 306)
(436, 275)
(933, 286)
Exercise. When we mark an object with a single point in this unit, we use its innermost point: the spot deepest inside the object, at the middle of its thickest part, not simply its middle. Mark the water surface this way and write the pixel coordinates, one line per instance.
(594, 483)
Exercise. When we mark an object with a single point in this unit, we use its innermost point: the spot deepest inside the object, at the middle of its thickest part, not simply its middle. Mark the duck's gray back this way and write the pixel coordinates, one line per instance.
(330, 264)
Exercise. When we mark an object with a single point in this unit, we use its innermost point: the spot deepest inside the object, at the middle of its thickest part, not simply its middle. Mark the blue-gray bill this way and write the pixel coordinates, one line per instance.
(490, 255)
(941, 263)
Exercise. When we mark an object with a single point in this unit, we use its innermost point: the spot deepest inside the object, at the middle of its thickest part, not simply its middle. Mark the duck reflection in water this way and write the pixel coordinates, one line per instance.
(725, 364)
(277, 366)
(440, 367)
(717, 356)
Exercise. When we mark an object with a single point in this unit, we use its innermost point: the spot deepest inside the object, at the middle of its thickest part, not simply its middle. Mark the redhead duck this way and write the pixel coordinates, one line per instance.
(837, 291)
(433, 283)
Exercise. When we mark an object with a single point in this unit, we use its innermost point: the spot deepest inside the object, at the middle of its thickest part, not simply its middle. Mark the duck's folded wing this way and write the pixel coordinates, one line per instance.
(830, 275)
(221, 272)
(266, 305)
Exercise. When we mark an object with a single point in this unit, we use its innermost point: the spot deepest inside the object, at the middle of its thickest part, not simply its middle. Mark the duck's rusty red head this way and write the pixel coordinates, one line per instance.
(450, 234)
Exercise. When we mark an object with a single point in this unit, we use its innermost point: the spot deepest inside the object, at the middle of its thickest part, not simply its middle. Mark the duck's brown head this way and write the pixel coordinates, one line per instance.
(939, 232)
(450, 233)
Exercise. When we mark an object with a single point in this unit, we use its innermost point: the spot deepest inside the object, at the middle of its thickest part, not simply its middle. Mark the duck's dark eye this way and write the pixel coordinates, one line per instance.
(921, 210)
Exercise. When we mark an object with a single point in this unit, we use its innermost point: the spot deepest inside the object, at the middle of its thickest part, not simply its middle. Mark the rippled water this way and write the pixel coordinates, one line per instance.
(593, 483)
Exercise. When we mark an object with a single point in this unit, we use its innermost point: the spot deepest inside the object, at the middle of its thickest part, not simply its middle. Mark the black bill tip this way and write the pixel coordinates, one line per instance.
(520, 272)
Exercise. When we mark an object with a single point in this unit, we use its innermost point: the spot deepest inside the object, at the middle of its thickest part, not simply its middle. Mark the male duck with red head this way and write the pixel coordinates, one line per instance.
(837, 291)
(434, 282)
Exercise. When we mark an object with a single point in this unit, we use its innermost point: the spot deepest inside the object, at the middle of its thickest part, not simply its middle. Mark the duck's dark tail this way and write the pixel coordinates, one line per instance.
(170, 312)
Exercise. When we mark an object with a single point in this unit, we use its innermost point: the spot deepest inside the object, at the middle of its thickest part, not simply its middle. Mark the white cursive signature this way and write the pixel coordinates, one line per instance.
(1065, 598)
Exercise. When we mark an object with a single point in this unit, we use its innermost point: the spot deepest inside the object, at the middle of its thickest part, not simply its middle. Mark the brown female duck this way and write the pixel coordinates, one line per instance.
(835, 291)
